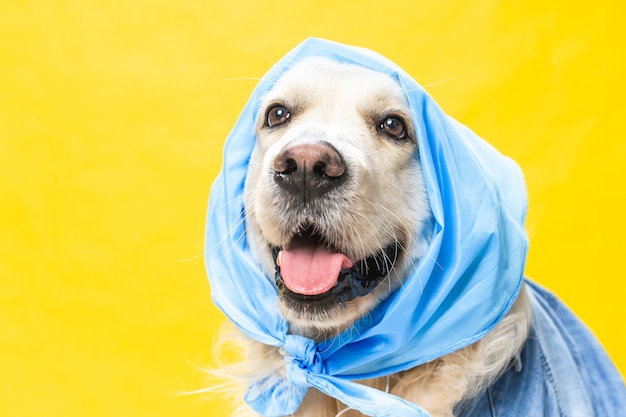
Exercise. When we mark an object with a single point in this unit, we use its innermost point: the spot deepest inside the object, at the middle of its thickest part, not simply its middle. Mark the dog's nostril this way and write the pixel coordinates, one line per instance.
(320, 168)
(330, 165)
(285, 166)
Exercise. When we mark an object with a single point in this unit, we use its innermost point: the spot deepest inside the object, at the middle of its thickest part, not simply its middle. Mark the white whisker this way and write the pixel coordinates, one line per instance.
(260, 53)
(191, 258)
(445, 80)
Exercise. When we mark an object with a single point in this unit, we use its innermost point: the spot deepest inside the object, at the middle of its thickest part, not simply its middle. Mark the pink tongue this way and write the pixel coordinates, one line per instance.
(309, 268)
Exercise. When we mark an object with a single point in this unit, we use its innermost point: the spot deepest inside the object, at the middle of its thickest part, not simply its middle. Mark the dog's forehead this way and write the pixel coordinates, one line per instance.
(317, 78)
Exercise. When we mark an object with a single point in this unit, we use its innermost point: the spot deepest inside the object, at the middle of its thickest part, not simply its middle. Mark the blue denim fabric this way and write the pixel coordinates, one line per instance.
(563, 371)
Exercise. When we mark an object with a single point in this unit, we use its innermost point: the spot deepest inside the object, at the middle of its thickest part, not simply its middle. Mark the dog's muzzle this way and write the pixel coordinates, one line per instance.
(308, 269)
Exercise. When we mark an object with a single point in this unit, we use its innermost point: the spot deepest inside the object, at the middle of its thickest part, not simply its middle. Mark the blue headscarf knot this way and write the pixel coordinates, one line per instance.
(302, 358)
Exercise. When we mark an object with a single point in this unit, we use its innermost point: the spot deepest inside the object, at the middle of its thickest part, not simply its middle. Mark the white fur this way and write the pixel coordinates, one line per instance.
(384, 199)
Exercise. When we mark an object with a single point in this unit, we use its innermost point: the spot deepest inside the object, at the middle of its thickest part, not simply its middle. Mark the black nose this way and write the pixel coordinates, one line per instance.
(309, 169)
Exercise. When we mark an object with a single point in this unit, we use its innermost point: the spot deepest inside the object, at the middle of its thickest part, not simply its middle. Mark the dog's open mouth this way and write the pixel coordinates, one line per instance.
(308, 270)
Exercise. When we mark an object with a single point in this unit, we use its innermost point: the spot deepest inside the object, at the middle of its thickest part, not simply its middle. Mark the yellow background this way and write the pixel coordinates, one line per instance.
(112, 118)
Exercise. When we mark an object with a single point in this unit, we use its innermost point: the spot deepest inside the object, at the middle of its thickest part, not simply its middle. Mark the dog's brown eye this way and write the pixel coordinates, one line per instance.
(393, 127)
(277, 115)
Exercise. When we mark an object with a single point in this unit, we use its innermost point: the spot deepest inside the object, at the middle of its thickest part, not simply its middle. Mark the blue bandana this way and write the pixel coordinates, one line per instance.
(463, 286)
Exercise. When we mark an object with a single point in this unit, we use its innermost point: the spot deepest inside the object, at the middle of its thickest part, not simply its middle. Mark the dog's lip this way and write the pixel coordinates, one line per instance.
(358, 280)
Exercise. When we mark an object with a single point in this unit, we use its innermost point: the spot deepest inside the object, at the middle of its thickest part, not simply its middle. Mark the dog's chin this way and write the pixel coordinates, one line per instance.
(356, 289)
(320, 323)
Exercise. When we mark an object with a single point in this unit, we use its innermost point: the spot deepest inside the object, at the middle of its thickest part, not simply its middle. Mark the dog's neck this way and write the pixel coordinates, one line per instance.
(315, 333)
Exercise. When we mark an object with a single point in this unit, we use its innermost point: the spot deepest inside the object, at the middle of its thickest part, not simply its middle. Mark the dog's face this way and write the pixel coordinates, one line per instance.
(336, 206)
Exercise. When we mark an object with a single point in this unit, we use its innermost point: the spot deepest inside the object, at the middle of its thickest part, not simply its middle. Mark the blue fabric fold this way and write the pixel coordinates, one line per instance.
(462, 287)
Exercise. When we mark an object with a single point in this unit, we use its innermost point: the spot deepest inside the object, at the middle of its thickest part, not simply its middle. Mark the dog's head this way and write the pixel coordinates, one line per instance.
(336, 206)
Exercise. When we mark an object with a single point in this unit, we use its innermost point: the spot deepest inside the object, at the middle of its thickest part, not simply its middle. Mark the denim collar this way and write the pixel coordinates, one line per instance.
(563, 371)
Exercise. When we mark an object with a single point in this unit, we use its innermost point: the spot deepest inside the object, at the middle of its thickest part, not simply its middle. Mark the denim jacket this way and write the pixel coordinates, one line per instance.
(562, 371)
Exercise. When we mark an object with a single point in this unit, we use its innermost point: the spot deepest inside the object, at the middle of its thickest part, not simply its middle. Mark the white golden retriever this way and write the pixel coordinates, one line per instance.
(343, 219)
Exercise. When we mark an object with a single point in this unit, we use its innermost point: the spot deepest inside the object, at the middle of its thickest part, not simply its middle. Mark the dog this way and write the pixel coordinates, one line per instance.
(336, 209)
(333, 135)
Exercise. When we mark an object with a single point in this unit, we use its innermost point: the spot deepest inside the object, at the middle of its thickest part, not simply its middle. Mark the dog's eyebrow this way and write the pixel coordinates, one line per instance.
(295, 103)
(377, 113)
